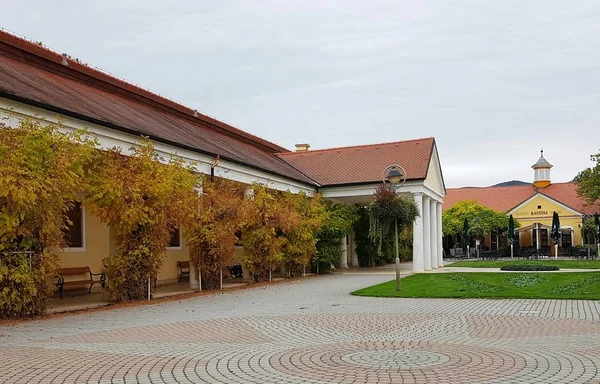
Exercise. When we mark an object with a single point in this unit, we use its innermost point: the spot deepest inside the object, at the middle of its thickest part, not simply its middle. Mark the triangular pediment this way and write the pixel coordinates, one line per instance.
(540, 205)
(435, 179)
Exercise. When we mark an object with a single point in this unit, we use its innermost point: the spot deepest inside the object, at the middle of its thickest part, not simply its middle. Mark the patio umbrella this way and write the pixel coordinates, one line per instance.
(466, 234)
(556, 232)
(597, 222)
(511, 233)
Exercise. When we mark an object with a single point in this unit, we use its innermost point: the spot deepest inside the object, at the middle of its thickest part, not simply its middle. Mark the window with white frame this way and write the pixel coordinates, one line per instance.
(75, 232)
(175, 242)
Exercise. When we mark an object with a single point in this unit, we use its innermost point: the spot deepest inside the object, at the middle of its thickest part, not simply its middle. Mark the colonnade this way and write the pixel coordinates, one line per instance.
(427, 234)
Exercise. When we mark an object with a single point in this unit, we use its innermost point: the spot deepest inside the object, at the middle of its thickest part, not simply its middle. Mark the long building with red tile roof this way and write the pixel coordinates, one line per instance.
(49, 86)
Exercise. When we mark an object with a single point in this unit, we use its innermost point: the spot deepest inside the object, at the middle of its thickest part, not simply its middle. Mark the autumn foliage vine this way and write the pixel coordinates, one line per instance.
(211, 230)
(143, 198)
(42, 172)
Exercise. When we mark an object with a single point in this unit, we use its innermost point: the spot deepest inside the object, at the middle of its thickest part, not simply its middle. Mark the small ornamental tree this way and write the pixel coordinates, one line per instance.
(308, 214)
(262, 236)
(489, 219)
(588, 231)
(588, 181)
(143, 198)
(339, 221)
(389, 209)
(210, 231)
(42, 171)
(366, 249)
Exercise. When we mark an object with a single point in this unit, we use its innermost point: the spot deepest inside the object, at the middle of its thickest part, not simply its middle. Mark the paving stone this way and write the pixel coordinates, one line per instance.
(311, 331)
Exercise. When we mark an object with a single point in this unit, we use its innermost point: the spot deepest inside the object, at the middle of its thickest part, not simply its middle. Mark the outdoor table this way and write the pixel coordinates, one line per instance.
(585, 253)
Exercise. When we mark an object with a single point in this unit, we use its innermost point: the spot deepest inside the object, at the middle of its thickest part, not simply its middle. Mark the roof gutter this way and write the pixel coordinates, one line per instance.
(359, 183)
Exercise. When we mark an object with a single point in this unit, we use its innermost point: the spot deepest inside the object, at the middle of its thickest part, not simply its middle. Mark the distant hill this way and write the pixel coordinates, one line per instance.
(511, 183)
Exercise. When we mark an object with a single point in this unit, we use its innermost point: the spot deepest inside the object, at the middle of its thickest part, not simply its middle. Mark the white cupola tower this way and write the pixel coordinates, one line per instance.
(541, 172)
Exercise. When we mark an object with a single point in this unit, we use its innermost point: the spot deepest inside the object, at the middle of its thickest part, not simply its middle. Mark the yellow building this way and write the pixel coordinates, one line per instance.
(533, 206)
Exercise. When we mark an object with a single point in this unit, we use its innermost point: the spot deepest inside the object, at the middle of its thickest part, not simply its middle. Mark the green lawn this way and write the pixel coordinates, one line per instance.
(557, 285)
(562, 264)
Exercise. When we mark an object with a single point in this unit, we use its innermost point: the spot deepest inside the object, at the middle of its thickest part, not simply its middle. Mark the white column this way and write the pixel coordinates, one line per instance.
(344, 253)
(194, 277)
(440, 259)
(426, 234)
(418, 236)
(353, 251)
(433, 236)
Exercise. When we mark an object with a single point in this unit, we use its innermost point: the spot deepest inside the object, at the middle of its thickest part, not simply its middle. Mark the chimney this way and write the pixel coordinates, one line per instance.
(302, 147)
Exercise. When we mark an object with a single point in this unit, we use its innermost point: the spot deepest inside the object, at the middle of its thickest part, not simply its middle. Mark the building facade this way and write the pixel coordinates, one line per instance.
(51, 87)
(533, 206)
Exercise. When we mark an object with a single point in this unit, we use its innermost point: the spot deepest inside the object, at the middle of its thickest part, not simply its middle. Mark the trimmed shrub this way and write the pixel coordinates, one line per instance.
(529, 267)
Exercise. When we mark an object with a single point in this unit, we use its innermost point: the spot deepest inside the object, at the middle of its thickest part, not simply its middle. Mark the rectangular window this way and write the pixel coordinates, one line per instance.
(74, 232)
(175, 241)
(566, 240)
(544, 236)
(238, 238)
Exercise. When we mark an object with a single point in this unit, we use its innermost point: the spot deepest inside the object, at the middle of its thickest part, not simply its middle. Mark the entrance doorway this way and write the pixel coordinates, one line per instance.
(543, 238)
(566, 240)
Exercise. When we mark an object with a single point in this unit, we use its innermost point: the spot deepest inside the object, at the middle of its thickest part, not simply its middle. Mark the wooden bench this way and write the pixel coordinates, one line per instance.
(79, 272)
(184, 269)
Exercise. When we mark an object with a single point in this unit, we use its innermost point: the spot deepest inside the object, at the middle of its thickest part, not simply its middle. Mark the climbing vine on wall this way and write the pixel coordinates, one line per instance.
(42, 171)
(143, 198)
(308, 213)
(211, 230)
(262, 236)
(337, 224)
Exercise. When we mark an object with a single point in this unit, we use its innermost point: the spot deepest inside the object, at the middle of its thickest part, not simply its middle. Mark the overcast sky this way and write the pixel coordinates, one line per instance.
(493, 81)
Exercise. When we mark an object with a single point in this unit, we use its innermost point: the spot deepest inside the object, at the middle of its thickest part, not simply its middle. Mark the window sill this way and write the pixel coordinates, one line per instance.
(74, 249)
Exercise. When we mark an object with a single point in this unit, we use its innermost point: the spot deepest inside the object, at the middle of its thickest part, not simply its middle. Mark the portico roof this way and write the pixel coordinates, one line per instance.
(363, 164)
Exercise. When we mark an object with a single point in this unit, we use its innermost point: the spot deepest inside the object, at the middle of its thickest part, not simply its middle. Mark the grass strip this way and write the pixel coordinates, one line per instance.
(567, 285)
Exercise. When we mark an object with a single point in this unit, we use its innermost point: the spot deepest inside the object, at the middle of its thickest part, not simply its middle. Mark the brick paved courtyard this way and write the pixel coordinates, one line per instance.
(311, 331)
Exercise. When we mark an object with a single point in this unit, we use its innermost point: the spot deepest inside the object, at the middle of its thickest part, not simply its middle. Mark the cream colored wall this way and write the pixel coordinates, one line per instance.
(96, 244)
(528, 214)
(169, 270)
(97, 247)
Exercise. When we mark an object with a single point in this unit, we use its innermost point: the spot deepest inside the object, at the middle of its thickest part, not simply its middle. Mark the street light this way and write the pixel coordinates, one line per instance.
(477, 220)
(395, 175)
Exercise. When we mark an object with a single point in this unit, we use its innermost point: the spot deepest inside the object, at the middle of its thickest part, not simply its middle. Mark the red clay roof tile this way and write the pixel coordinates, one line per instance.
(32, 74)
(364, 163)
(503, 199)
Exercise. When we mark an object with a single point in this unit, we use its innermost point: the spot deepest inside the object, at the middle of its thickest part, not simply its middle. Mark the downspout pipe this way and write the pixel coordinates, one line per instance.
(212, 167)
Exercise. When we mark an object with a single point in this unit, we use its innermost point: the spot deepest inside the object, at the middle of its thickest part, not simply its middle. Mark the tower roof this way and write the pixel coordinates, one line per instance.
(542, 162)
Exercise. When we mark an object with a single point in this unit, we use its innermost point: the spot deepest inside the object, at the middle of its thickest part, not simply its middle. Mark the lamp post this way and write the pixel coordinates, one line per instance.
(477, 221)
(395, 176)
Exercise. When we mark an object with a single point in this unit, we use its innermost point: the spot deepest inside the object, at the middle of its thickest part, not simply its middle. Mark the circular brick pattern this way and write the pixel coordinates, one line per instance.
(312, 332)
(395, 359)
(408, 359)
